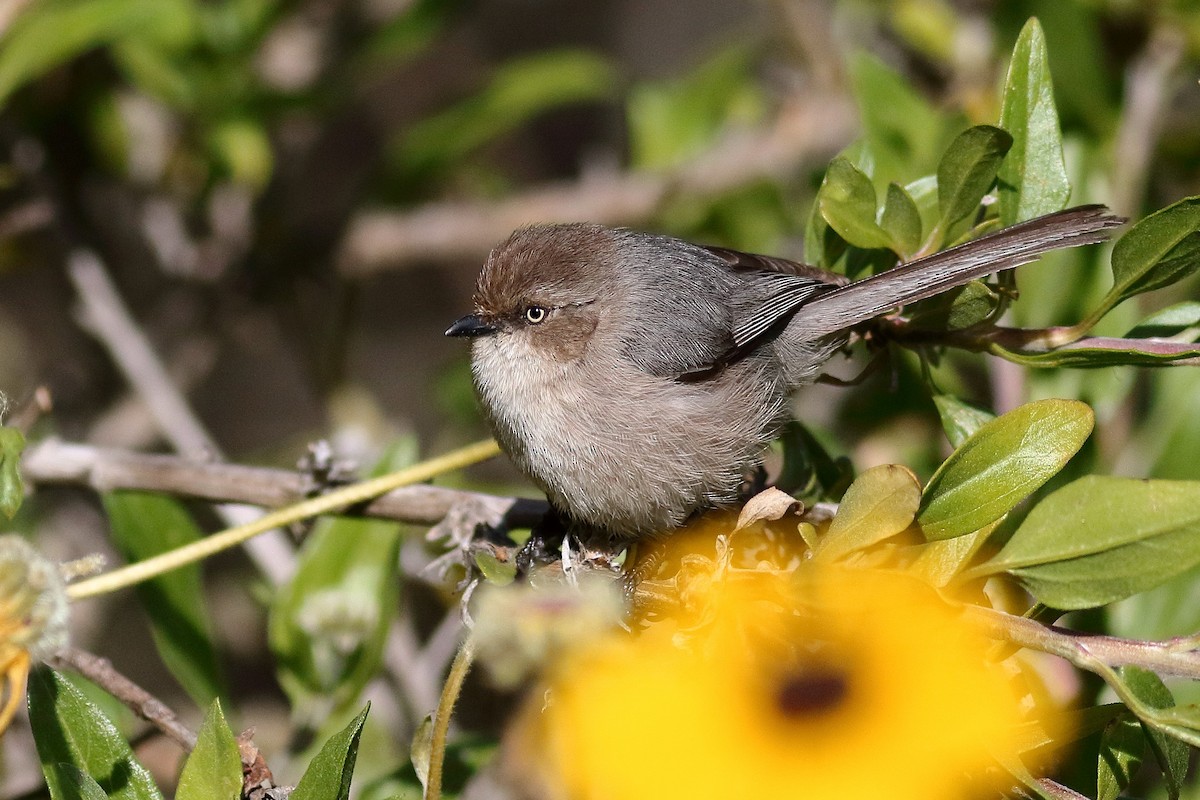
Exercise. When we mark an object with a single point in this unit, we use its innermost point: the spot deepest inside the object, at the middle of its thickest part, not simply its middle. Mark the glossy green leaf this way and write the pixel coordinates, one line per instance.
(78, 785)
(69, 730)
(881, 503)
(493, 569)
(1170, 321)
(1157, 251)
(1033, 177)
(12, 490)
(901, 221)
(1001, 464)
(213, 770)
(924, 194)
(1100, 539)
(1170, 753)
(937, 562)
(328, 776)
(960, 420)
(144, 525)
(1122, 746)
(956, 309)
(968, 170)
(847, 201)
(328, 625)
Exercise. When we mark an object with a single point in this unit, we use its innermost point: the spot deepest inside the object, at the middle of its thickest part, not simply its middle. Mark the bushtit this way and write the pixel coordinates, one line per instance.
(637, 378)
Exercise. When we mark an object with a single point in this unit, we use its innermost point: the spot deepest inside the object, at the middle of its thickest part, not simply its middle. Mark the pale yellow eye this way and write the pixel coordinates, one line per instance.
(535, 314)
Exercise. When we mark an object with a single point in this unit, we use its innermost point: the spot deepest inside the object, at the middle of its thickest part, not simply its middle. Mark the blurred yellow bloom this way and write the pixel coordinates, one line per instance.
(33, 618)
(809, 681)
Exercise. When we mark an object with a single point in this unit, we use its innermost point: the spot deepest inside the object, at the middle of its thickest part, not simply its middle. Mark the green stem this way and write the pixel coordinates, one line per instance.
(325, 504)
(441, 719)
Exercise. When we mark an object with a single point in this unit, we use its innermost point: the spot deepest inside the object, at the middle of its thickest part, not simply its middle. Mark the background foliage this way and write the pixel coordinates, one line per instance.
(294, 199)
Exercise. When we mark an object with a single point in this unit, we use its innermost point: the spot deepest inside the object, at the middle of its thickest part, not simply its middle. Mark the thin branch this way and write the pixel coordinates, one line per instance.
(808, 129)
(1178, 658)
(56, 463)
(106, 316)
(101, 672)
(459, 669)
(334, 501)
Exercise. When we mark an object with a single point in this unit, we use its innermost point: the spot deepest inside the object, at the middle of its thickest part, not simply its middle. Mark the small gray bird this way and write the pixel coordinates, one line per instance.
(637, 378)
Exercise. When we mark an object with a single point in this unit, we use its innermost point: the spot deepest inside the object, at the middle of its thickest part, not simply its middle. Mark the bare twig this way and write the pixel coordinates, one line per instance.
(330, 503)
(106, 316)
(808, 128)
(100, 671)
(53, 462)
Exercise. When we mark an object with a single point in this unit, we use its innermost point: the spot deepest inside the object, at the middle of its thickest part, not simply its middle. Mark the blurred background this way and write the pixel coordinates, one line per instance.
(293, 199)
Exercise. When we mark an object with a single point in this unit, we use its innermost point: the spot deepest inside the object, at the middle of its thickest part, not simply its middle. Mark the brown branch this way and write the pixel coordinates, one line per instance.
(100, 671)
(53, 462)
(809, 128)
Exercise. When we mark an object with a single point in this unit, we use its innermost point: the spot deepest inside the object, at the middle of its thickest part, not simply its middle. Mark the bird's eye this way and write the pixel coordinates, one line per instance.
(535, 314)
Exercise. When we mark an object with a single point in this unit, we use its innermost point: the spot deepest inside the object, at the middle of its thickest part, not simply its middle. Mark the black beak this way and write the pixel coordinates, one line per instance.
(470, 325)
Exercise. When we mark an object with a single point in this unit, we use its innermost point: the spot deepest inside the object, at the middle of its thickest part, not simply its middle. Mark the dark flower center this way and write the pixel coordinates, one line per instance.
(812, 692)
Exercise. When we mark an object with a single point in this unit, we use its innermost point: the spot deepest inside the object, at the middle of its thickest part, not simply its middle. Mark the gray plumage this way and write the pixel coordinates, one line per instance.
(637, 378)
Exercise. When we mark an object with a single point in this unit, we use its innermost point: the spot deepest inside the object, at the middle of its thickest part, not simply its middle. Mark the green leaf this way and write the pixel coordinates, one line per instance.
(968, 170)
(12, 491)
(73, 736)
(956, 309)
(328, 776)
(421, 750)
(924, 194)
(960, 420)
(78, 785)
(144, 525)
(53, 32)
(328, 625)
(1100, 539)
(213, 771)
(1001, 464)
(1122, 746)
(809, 472)
(1157, 251)
(881, 503)
(903, 131)
(937, 562)
(1033, 178)
(672, 121)
(847, 201)
(1171, 754)
(901, 220)
(501, 573)
(1171, 321)
(519, 90)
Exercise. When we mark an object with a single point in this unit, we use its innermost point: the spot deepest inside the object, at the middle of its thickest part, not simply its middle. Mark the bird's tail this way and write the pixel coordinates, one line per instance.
(925, 277)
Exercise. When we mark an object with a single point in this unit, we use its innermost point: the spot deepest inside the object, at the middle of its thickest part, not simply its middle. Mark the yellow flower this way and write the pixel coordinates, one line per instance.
(811, 682)
(33, 618)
